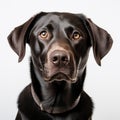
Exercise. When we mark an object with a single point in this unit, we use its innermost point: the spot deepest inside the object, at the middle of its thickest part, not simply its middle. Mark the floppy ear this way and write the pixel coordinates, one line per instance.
(100, 39)
(17, 38)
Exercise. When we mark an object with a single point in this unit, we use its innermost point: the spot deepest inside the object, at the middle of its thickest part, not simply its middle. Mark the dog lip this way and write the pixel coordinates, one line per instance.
(60, 76)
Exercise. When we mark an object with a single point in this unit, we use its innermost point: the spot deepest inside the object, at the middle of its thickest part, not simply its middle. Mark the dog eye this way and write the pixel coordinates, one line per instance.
(44, 35)
(76, 35)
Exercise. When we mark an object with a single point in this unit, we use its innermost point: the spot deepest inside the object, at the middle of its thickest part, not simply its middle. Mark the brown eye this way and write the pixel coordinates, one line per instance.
(44, 35)
(76, 35)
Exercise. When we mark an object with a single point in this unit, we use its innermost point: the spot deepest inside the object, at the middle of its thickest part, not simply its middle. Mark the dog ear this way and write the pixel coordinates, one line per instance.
(17, 38)
(100, 39)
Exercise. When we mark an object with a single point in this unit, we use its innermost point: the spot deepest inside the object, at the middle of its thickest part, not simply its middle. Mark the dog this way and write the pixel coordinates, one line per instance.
(60, 45)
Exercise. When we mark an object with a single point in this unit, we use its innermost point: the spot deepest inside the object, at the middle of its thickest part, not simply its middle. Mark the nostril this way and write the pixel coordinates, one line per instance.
(64, 59)
(55, 59)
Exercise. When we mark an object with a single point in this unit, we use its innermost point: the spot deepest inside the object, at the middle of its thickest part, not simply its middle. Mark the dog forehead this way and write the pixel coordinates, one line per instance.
(57, 18)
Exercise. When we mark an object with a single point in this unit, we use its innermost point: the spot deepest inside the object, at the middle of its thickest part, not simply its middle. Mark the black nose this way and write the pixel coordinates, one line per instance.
(59, 57)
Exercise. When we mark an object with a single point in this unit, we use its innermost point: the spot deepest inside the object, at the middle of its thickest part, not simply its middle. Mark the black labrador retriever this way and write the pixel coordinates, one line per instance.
(60, 44)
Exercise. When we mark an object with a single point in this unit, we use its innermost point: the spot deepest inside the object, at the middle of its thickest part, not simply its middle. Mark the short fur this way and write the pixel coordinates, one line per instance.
(60, 44)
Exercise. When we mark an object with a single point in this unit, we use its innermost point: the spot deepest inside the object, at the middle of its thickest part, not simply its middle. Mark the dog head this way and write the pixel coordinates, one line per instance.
(60, 44)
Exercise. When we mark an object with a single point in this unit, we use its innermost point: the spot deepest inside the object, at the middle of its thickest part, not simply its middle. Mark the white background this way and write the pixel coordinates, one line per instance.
(102, 83)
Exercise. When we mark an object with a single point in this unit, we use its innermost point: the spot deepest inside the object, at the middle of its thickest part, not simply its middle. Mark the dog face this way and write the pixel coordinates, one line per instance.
(60, 44)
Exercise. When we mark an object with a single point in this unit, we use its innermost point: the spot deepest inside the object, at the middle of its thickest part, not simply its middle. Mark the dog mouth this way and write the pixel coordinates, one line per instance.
(60, 65)
(60, 76)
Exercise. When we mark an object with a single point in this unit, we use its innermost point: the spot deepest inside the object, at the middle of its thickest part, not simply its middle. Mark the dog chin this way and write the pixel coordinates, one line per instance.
(60, 77)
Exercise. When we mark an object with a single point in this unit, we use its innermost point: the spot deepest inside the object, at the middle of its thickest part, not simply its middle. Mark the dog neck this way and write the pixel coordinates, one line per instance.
(58, 97)
(56, 110)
